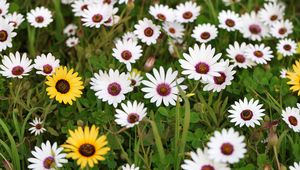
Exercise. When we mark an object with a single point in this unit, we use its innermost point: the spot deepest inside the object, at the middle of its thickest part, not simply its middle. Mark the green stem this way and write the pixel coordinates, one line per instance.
(31, 40)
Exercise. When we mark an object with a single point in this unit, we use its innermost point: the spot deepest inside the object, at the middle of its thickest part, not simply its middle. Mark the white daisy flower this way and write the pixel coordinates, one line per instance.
(221, 82)
(296, 166)
(246, 113)
(108, 2)
(252, 28)
(46, 64)
(3, 8)
(291, 116)
(236, 53)
(281, 29)
(127, 52)
(226, 146)
(228, 20)
(113, 20)
(130, 167)
(283, 73)
(260, 54)
(78, 6)
(162, 12)
(131, 114)
(70, 29)
(37, 127)
(48, 157)
(162, 86)
(270, 13)
(67, 2)
(6, 35)
(14, 19)
(187, 12)
(126, 1)
(230, 2)
(147, 31)
(200, 161)
(205, 32)
(111, 87)
(15, 65)
(39, 17)
(135, 77)
(72, 41)
(201, 63)
(287, 47)
(130, 36)
(174, 29)
(96, 15)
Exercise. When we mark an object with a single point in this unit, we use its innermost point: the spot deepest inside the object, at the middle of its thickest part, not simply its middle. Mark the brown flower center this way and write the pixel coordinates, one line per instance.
(48, 162)
(230, 23)
(47, 69)
(227, 148)
(258, 54)
(62, 86)
(172, 30)
(293, 120)
(161, 17)
(274, 17)
(287, 47)
(205, 35)
(246, 114)
(39, 19)
(97, 18)
(114, 89)
(38, 126)
(133, 118)
(163, 89)
(148, 32)
(133, 82)
(202, 68)
(282, 30)
(83, 7)
(3, 35)
(255, 29)
(240, 58)
(220, 79)
(187, 15)
(126, 55)
(17, 70)
(87, 150)
(207, 167)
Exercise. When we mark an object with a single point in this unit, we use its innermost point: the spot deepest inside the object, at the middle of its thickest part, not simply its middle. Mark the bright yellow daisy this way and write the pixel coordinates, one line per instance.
(85, 146)
(65, 86)
(294, 77)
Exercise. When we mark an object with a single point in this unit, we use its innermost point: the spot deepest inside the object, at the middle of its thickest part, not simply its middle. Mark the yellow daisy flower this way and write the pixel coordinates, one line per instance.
(294, 77)
(85, 146)
(64, 85)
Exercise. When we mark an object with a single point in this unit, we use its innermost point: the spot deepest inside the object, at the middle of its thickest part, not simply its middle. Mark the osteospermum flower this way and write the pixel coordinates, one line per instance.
(252, 28)
(3, 8)
(295, 166)
(135, 77)
(174, 29)
(6, 35)
(226, 146)
(230, 2)
(85, 146)
(67, 2)
(246, 113)
(37, 126)
(270, 13)
(238, 56)
(46, 64)
(291, 116)
(131, 114)
(14, 19)
(281, 29)
(72, 41)
(201, 63)
(200, 160)
(229, 20)
(205, 32)
(130, 167)
(65, 86)
(162, 12)
(221, 82)
(15, 65)
(47, 157)
(70, 29)
(162, 87)
(39, 17)
(127, 52)
(129, 36)
(112, 21)
(294, 78)
(111, 86)
(283, 73)
(260, 54)
(96, 15)
(147, 31)
(286, 47)
(187, 12)
(78, 6)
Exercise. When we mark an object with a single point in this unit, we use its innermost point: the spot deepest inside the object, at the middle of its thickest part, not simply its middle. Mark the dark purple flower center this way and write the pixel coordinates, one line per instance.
(133, 118)
(47, 69)
(161, 17)
(163, 89)
(230, 22)
(17, 70)
(126, 55)
(207, 167)
(255, 29)
(220, 79)
(48, 162)
(240, 58)
(148, 32)
(97, 18)
(202, 68)
(114, 89)
(293, 120)
(187, 15)
(246, 114)
(39, 19)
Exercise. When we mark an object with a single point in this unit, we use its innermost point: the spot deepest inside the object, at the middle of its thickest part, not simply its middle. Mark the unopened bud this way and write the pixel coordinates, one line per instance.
(149, 63)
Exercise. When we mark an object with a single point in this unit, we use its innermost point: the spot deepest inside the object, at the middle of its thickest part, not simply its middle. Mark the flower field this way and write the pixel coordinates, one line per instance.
(150, 84)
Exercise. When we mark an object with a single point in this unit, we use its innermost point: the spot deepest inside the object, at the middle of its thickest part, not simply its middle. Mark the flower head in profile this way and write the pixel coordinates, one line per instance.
(65, 86)
(86, 146)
